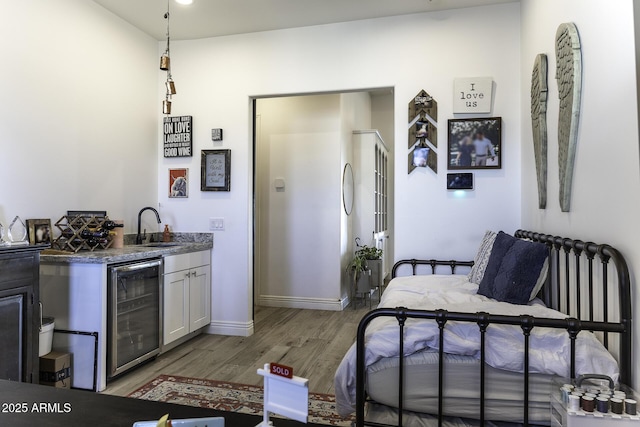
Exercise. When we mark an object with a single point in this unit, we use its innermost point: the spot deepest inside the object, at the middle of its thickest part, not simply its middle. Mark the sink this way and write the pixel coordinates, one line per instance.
(161, 244)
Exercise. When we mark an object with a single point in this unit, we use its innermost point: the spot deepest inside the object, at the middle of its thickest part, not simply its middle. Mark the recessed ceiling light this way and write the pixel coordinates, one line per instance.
(184, 1)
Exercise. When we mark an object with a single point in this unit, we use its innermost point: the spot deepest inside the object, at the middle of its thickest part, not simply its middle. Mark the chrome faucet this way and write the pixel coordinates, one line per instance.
(139, 235)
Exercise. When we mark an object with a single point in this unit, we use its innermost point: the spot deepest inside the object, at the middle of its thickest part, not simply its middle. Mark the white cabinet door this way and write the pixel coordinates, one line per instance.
(187, 294)
(176, 305)
(200, 297)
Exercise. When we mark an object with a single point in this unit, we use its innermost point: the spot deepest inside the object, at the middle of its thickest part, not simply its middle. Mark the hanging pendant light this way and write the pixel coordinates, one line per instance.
(165, 62)
(166, 106)
(170, 85)
(165, 65)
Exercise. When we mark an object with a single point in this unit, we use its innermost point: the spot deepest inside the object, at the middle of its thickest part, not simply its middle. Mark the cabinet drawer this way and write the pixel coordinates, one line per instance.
(16, 268)
(201, 258)
(186, 261)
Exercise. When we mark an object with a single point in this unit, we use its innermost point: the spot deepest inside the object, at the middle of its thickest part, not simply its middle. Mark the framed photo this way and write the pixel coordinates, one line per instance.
(179, 182)
(459, 181)
(475, 143)
(420, 155)
(215, 170)
(39, 231)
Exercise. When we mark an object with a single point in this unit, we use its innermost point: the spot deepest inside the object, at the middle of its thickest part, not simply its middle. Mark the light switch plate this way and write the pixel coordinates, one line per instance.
(216, 224)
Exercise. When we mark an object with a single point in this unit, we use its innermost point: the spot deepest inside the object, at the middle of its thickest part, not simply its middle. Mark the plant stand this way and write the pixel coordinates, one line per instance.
(362, 285)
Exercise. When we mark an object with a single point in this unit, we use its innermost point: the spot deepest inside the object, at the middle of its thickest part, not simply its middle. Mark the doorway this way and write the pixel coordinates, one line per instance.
(303, 238)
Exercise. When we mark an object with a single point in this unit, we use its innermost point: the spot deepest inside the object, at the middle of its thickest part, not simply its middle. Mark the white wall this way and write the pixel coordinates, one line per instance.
(217, 77)
(78, 114)
(606, 186)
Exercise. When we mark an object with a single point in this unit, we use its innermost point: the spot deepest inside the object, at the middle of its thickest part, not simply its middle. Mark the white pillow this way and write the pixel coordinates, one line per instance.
(482, 257)
(541, 279)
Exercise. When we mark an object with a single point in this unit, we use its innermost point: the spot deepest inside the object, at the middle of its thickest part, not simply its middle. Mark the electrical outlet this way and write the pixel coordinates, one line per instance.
(216, 224)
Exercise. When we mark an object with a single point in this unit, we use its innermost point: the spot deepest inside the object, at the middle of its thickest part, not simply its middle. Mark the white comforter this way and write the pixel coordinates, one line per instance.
(549, 348)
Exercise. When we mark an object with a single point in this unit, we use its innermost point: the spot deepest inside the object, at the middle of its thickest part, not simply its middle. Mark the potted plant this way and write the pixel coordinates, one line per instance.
(360, 273)
(366, 267)
(373, 262)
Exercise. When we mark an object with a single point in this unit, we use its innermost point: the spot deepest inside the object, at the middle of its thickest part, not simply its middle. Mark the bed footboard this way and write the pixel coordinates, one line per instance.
(588, 282)
(483, 320)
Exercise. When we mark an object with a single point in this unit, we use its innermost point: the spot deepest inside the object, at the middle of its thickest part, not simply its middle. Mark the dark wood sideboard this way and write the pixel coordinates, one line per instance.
(19, 312)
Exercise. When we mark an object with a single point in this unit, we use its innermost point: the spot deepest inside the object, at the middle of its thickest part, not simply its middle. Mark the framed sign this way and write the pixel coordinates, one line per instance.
(216, 170)
(178, 136)
(475, 143)
(216, 135)
(472, 95)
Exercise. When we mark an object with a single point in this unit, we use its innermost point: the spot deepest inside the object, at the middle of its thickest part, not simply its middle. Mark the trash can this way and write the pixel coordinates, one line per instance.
(46, 335)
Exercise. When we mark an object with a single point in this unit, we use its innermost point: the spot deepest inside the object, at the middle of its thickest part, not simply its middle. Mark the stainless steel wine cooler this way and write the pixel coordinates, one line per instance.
(135, 317)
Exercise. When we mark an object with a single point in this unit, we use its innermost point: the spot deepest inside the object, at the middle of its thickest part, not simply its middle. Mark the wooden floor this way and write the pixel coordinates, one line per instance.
(313, 342)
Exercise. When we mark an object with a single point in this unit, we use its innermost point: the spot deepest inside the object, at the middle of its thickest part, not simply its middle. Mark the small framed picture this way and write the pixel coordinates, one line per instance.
(179, 182)
(216, 135)
(475, 143)
(39, 231)
(420, 155)
(215, 170)
(459, 181)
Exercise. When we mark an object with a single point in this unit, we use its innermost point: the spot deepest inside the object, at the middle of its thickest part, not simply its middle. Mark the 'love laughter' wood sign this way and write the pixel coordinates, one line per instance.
(178, 133)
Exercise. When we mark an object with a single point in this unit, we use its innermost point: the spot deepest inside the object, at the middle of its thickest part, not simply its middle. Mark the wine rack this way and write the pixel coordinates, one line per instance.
(71, 231)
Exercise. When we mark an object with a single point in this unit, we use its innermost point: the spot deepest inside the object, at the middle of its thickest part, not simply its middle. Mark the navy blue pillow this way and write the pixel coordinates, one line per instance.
(501, 246)
(519, 272)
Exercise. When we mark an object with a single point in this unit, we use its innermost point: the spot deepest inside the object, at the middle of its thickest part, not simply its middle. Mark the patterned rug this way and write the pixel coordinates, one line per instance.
(233, 397)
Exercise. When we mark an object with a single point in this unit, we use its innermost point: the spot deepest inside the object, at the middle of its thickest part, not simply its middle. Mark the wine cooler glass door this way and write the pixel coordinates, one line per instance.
(135, 301)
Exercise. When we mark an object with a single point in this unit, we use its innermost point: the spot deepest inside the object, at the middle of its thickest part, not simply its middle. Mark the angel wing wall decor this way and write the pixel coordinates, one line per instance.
(539, 124)
(569, 77)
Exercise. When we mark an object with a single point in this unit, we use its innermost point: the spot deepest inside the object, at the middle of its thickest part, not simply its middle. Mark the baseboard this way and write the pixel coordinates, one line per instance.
(301, 302)
(221, 327)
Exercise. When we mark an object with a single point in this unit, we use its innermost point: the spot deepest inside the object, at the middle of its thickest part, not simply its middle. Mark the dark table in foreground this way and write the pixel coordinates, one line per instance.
(77, 408)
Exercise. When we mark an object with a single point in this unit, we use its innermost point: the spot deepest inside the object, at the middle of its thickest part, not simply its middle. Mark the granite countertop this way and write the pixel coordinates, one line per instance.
(181, 243)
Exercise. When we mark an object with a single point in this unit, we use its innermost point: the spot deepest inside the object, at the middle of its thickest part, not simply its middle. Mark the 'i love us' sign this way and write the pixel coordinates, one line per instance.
(472, 95)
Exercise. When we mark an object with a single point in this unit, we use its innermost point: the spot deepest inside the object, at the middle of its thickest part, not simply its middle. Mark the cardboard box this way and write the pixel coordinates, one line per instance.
(55, 369)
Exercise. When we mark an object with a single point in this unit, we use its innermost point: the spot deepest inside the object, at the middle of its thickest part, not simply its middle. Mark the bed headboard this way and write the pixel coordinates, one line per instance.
(588, 282)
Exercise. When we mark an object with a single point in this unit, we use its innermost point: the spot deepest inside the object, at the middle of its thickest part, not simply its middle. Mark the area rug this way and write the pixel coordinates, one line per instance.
(232, 397)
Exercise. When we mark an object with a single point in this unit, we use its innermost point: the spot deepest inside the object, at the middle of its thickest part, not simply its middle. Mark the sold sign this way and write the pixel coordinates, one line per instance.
(281, 370)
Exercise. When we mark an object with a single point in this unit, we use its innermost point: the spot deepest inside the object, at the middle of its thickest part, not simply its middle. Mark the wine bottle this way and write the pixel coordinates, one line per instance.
(94, 241)
(110, 225)
(94, 234)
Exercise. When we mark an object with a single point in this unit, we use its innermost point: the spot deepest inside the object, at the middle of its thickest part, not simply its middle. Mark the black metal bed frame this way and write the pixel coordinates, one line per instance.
(557, 285)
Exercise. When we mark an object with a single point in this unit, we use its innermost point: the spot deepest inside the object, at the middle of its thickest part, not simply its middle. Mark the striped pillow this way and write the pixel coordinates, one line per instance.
(482, 257)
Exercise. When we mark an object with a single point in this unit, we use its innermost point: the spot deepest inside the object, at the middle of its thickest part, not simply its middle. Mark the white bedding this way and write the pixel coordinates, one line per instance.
(549, 348)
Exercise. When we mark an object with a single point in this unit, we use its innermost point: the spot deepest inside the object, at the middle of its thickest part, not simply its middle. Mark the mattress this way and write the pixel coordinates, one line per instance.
(386, 415)
(504, 395)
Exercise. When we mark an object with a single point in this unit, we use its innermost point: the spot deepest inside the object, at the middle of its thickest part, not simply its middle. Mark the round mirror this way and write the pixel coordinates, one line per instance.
(347, 189)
